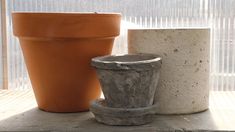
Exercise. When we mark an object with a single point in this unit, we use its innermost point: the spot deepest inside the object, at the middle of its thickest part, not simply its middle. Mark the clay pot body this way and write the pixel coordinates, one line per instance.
(57, 48)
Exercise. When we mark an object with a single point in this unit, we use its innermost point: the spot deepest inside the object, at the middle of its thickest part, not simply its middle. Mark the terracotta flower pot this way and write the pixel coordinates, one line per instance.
(57, 48)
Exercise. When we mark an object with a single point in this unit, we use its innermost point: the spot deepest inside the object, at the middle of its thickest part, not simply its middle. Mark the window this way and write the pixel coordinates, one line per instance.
(217, 14)
(1, 68)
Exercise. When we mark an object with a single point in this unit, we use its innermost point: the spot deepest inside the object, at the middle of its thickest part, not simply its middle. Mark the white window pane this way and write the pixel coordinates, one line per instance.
(1, 64)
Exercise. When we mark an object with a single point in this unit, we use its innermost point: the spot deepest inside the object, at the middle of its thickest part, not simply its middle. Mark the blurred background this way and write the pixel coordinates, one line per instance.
(219, 15)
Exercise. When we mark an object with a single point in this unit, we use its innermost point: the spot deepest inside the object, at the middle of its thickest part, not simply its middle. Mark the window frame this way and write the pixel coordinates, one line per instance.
(4, 45)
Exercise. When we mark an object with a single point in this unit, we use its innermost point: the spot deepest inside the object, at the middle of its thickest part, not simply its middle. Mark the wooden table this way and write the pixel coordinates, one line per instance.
(18, 112)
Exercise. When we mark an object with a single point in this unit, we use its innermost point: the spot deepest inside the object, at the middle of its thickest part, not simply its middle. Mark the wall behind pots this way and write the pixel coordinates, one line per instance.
(217, 14)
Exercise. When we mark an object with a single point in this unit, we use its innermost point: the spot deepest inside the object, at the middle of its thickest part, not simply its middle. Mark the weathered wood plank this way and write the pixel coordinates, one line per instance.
(19, 112)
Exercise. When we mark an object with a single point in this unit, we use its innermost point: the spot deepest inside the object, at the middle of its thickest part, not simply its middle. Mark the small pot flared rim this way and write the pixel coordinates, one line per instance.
(104, 62)
(101, 14)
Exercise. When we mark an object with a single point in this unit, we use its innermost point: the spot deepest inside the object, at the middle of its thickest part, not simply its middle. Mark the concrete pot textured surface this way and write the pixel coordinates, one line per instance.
(184, 81)
(128, 81)
(57, 49)
(122, 116)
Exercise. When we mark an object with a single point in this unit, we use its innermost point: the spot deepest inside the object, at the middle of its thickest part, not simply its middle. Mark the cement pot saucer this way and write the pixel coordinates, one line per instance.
(121, 116)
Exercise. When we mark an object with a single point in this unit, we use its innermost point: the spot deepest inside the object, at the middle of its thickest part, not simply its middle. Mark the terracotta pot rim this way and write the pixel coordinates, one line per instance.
(66, 25)
(65, 38)
(101, 14)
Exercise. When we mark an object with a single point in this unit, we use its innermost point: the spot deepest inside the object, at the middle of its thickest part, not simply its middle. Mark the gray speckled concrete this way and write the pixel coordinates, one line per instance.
(122, 116)
(184, 80)
(128, 81)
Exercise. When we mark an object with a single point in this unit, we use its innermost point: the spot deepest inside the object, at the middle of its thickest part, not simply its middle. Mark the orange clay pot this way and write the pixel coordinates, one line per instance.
(58, 48)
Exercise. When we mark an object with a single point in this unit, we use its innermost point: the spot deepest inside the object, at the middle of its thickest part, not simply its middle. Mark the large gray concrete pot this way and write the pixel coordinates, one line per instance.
(128, 81)
(184, 82)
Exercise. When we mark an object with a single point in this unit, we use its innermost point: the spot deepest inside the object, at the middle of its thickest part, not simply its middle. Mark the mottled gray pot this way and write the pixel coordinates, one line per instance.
(122, 116)
(128, 81)
(184, 81)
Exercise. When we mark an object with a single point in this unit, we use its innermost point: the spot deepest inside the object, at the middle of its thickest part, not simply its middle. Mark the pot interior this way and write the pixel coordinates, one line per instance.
(129, 58)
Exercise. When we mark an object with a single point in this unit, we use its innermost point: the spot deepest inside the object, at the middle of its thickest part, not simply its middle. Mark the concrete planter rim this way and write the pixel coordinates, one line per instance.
(180, 28)
(127, 61)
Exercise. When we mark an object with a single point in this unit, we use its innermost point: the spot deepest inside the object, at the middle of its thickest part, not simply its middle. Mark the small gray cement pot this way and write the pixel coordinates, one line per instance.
(128, 81)
(184, 81)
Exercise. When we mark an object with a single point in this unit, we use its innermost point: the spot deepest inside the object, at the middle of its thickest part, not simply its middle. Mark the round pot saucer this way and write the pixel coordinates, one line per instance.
(121, 116)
